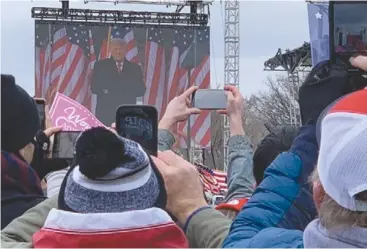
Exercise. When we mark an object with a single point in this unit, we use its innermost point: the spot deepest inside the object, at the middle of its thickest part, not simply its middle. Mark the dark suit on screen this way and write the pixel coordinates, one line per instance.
(114, 88)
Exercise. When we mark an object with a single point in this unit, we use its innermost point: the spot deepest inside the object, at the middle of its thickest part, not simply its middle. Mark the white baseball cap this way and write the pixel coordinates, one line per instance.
(342, 162)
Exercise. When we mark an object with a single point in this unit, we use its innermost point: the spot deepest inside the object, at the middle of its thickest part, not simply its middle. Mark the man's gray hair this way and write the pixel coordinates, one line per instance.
(332, 215)
(119, 40)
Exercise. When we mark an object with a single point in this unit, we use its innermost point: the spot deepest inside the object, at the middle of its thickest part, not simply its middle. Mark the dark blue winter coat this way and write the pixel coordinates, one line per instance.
(282, 206)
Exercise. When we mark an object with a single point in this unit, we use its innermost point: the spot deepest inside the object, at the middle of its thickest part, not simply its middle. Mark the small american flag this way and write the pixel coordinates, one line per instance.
(65, 63)
(214, 181)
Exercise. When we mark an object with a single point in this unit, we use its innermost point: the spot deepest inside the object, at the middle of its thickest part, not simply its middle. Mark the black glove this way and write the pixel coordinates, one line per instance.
(324, 84)
(40, 163)
(356, 82)
(49, 165)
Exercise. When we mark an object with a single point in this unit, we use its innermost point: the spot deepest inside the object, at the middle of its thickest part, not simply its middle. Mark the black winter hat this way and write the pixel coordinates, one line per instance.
(19, 116)
(112, 174)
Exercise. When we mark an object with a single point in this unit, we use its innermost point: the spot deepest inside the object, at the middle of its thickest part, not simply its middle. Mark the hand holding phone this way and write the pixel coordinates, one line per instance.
(140, 124)
(41, 107)
(64, 144)
(359, 62)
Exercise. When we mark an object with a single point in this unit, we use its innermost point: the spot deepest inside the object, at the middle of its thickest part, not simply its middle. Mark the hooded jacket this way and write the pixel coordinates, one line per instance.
(280, 213)
(282, 205)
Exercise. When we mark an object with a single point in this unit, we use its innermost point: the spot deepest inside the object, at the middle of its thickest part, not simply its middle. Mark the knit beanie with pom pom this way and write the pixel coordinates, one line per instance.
(112, 174)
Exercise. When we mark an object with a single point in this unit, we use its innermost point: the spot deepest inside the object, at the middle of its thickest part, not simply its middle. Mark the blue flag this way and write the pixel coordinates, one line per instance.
(318, 19)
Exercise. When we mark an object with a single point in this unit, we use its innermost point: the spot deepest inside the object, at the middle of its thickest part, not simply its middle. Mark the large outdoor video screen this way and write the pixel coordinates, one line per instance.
(103, 67)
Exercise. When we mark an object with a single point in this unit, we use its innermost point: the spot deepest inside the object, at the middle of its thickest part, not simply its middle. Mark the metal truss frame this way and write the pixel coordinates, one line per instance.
(114, 16)
(293, 62)
(196, 19)
(231, 59)
(290, 60)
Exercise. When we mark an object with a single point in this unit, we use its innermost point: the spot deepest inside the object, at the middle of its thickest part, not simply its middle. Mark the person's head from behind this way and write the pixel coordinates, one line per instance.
(112, 175)
(118, 48)
(340, 179)
(276, 142)
(20, 121)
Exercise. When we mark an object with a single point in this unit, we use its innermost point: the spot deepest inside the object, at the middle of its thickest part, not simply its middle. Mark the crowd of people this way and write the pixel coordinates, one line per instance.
(302, 186)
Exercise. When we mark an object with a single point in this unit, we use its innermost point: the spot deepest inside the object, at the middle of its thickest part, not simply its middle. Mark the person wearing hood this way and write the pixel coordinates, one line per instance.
(113, 198)
(336, 126)
(21, 141)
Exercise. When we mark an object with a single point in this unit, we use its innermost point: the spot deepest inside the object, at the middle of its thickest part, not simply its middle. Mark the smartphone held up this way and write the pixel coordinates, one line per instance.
(209, 99)
(140, 124)
(41, 107)
(64, 144)
(348, 31)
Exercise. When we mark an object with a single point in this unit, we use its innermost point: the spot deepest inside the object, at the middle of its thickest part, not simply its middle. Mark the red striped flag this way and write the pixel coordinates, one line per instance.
(65, 63)
(155, 71)
(214, 181)
(200, 124)
(184, 49)
(221, 178)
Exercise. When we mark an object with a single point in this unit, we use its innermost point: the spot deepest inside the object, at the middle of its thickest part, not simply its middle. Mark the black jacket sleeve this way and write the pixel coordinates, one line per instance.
(139, 80)
(96, 80)
(15, 207)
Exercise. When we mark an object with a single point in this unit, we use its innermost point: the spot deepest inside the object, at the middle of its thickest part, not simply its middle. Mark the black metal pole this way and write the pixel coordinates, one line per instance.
(189, 121)
(65, 4)
(65, 7)
(193, 10)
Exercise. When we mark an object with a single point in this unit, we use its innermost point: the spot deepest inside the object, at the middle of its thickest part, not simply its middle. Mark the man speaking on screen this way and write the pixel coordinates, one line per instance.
(116, 81)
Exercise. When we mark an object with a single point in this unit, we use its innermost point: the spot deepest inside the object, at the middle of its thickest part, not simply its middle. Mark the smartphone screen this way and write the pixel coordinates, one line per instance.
(140, 124)
(64, 144)
(218, 199)
(41, 112)
(349, 21)
(209, 99)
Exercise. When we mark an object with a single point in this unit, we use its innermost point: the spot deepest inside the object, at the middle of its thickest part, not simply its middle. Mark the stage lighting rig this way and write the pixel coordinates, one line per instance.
(290, 60)
(117, 16)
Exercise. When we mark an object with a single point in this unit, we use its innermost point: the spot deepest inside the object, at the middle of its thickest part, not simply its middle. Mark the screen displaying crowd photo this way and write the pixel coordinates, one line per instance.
(350, 28)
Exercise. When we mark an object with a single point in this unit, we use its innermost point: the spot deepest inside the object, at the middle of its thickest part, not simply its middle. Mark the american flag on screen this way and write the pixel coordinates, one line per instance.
(66, 54)
(190, 52)
(126, 34)
(318, 18)
(155, 70)
(214, 181)
(64, 61)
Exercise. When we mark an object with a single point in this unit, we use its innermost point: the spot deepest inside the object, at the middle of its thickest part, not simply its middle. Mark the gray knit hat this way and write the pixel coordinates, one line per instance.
(113, 174)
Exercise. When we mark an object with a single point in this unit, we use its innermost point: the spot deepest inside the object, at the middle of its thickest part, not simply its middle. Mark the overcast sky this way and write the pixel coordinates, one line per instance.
(265, 26)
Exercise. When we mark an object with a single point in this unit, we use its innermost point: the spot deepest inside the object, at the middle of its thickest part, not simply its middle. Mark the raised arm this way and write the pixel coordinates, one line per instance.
(240, 176)
(204, 226)
(281, 200)
(177, 110)
(165, 139)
